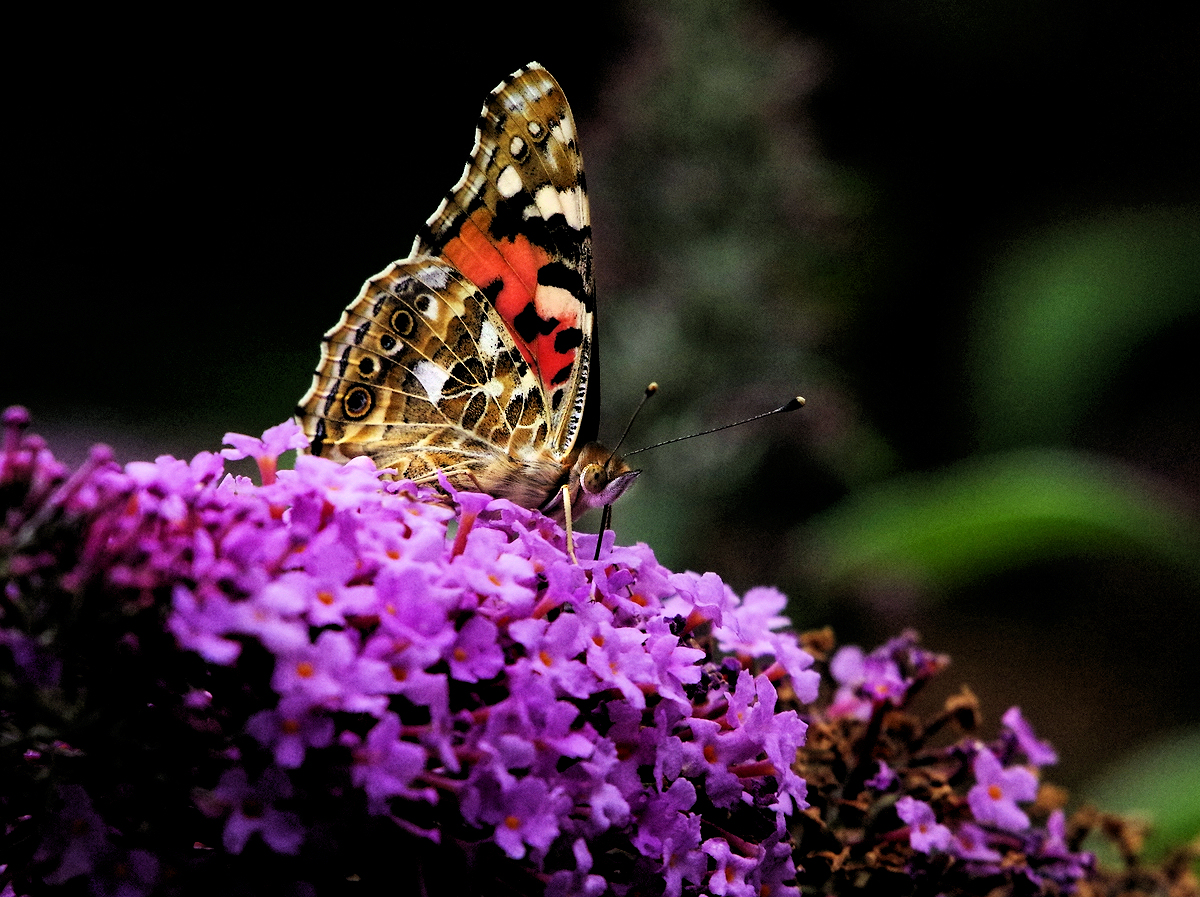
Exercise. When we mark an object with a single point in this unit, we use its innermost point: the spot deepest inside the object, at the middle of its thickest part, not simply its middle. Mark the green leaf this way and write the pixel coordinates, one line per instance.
(999, 512)
(1067, 307)
(1160, 783)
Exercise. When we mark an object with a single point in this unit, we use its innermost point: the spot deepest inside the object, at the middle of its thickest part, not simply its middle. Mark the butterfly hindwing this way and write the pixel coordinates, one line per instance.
(419, 375)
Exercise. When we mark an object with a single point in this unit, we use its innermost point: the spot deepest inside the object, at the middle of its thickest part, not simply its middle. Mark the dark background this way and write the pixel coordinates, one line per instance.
(846, 200)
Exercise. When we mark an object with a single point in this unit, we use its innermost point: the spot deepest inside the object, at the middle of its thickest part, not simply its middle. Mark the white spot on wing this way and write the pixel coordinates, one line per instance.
(517, 146)
(555, 302)
(432, 307)
(563, 132)
(432, 378)
(509, 183)
(436, 279)
(489, 340)
(550, 201)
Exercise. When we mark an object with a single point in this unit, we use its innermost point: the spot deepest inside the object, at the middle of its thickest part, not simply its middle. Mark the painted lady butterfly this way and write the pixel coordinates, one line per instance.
(476, 355)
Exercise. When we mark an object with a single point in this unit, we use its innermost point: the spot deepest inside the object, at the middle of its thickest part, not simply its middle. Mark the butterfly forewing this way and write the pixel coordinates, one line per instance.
(517, 224)
(473, 355)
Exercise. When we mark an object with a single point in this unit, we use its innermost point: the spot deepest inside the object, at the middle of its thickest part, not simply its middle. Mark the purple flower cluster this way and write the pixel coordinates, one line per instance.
(283, 685)
(460, 663)
(886, 677)
(988, 831)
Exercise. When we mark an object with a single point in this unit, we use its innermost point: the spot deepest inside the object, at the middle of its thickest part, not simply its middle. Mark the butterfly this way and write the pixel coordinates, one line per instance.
(476, 355)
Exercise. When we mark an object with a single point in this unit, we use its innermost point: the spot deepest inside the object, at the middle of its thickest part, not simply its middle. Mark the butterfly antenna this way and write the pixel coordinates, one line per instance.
(797, 402)
(650, 390)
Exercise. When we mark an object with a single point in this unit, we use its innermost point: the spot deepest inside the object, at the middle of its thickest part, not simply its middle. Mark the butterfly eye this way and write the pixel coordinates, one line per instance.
(594, 478)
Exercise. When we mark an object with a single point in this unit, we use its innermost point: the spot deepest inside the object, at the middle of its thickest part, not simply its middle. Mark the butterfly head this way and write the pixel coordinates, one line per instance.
(597, 478)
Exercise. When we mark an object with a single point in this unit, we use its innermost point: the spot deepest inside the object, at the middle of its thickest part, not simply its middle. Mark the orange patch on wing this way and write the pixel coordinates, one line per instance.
(564, 308)
(515, 264)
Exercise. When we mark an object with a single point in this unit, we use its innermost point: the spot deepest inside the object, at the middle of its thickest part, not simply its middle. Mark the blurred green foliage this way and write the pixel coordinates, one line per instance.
(966, 522)
(1066, 309)
(1158, 783)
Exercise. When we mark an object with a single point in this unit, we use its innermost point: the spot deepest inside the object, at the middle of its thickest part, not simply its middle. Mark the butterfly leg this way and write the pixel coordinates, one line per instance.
(566, 500)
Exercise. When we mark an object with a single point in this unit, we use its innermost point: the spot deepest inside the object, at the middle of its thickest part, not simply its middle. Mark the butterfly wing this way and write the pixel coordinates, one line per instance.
(517, 224)
(418, 375)
(473, 355)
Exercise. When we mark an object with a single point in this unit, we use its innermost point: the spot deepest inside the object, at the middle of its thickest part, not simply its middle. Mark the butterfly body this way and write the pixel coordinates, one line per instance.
(476, 355)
